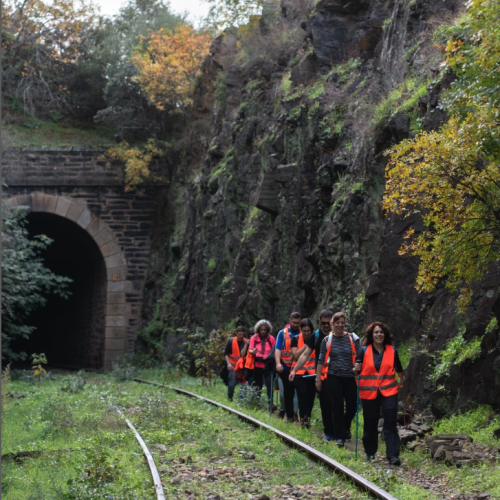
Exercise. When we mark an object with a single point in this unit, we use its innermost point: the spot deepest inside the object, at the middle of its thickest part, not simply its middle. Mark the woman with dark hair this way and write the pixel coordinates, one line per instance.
(304, 378)
(378, 362)
(261, 346)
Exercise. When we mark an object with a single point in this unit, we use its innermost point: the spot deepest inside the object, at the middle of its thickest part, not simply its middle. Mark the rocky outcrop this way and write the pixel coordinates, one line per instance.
(275, 202)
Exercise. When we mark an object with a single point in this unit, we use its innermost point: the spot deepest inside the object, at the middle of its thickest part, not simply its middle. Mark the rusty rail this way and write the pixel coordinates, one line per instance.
(358, 480)
(160, 494)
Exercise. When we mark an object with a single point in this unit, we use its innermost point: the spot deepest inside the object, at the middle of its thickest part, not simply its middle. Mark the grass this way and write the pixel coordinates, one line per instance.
(200, 450)
(477, 423)
(88, 452)
(54, 135)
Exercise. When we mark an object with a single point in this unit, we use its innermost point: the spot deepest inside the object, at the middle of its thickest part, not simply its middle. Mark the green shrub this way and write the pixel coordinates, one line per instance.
(123, 369)
(456, 351)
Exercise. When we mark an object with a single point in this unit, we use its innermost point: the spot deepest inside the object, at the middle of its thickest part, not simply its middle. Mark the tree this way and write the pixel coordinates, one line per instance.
(227, 13)
(26, 282)
(127, 108)
(452, 176)
(42, 45)
(168, 63)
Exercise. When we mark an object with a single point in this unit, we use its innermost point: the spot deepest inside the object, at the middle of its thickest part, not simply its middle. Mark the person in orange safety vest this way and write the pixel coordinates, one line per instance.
(377, 365)
(304, 378)
(234, 353)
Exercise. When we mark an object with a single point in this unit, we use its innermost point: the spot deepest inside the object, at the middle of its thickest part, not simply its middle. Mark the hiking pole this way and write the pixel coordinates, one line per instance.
(357, 420)
(271, 403)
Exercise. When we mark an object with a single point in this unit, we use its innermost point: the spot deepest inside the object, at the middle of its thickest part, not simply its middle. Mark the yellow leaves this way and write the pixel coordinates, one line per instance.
(136, 161)
(168, 63)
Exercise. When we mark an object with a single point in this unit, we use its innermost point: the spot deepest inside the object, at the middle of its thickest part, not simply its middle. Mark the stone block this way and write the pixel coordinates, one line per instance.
(110, 356)
(115, 344)
(120, 271)
(113, 332)
(117, 286)
(104, 237)
(115, 298)
(38, 201)
(110, 248)
(13, 201)
(117, 309)
(116, 260)
(62, 206)
(74, 211)
(120, 320)
(24, 201)
(95, 227)
(50, 203)
(85, 219)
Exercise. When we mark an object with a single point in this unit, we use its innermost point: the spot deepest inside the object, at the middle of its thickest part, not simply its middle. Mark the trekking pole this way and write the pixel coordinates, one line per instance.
(357, 420)
(271, 402)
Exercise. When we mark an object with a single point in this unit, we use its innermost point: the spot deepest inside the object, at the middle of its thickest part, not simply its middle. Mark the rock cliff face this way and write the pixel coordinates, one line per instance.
(274, 201)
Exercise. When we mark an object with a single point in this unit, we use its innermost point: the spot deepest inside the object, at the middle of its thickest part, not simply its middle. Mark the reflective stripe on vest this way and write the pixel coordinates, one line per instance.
(286, 353)
(309, 364)
(371, 381)
(328, 340)
(235, 352)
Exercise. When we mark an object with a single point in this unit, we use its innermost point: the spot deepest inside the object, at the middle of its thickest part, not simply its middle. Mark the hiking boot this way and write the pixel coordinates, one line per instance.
(327, 437)
(340, 443)
(273, 408)
(394, 461)
(281, 414)
(295, 416)
(307, 422)
(302, 422)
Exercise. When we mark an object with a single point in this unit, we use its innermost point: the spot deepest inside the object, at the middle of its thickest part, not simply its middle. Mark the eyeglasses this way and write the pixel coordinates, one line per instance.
(324, 323)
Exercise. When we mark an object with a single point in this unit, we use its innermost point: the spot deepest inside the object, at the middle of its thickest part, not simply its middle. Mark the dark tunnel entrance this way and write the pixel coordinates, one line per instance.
(70, 331)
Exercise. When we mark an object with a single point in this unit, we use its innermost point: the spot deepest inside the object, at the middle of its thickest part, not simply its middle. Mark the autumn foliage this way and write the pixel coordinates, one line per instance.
(451, 177)
(168, 63)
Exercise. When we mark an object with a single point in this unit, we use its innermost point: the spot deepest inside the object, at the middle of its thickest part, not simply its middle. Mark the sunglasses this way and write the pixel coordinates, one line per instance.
(324, 323)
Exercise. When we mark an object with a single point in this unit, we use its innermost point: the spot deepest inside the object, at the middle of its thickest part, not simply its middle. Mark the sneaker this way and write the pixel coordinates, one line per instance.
(295, 416)
(340, 443)
(327, 437)
(394, 461)
(281, 414)
(370, 458)
(348, 435)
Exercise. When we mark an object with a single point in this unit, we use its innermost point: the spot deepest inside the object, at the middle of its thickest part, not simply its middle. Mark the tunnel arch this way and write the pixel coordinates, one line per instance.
(114, 285)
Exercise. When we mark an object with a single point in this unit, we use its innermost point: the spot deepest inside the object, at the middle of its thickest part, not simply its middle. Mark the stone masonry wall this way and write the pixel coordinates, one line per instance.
(81, 186)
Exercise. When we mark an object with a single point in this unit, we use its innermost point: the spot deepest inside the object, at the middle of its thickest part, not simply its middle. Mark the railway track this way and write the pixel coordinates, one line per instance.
(362, 483)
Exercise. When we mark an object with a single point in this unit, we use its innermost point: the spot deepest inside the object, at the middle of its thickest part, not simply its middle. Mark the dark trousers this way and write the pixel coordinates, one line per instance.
(371, 415)
(326, 410)
(289, 392)
(306, 391)
(340, 390)
(261, 376)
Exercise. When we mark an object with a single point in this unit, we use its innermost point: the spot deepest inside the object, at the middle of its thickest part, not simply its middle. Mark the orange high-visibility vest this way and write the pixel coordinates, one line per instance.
(235, 352)
(250, 361)
(309, 364)
(328, 340)
(371, 381)
(286, 353)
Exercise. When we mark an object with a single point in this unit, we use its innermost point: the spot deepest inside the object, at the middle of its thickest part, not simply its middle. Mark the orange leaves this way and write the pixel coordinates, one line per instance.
(168, 66)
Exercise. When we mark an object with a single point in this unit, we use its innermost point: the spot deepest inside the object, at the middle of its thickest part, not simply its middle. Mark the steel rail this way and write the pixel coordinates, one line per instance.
(160, 494)
(358, 480)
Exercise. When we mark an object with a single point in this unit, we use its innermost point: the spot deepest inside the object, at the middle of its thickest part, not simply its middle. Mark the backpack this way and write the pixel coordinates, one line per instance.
(224, 373)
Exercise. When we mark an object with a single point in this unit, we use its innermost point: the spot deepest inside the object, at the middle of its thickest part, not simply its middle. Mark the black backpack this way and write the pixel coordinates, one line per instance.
(224, 373)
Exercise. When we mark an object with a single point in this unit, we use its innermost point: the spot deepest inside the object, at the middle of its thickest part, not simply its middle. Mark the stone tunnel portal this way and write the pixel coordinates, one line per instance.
(70, 331)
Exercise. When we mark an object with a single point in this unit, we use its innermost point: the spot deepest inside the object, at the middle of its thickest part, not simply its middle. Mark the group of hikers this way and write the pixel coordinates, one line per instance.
(329, 362)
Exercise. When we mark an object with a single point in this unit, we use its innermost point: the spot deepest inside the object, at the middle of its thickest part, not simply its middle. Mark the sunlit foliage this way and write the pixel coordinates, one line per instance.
(451, 176)
(168, 65)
